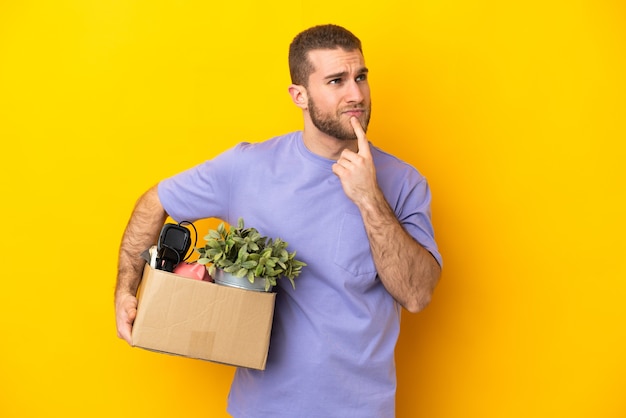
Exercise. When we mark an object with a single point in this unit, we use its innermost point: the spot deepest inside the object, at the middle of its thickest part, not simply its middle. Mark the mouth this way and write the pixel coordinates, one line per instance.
(354, 112)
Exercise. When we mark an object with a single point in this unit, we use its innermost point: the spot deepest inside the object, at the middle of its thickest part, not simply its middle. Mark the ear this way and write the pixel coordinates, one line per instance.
(299, 96)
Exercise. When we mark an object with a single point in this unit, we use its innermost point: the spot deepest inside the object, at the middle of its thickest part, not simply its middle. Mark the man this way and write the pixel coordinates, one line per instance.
(359, 218)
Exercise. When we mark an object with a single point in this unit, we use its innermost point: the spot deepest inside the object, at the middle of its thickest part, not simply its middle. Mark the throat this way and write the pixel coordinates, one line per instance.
(326, 146)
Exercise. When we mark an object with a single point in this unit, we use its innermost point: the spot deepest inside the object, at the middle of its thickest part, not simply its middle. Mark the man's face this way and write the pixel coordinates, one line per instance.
(338, 89)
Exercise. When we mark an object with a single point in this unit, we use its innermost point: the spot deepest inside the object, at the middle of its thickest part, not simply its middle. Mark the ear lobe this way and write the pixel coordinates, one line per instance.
(298, 96)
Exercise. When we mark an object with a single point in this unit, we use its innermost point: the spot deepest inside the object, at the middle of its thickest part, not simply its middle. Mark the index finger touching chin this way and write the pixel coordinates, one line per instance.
(356, 125)
(363, 144)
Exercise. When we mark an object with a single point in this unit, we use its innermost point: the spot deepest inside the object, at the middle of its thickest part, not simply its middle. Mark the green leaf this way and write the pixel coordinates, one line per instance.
(243, 252)
(259, 270)
(250, 264)
(214, 253)
(231, 269)
(254, 256)
(213, 243)
(270, 272)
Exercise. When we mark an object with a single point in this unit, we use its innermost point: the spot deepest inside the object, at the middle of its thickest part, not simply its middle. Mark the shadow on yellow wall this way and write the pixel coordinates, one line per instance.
(515, 113)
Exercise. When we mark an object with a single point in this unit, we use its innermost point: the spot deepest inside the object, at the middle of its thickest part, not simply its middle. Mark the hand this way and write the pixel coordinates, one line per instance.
(125, 313)
(356, 170)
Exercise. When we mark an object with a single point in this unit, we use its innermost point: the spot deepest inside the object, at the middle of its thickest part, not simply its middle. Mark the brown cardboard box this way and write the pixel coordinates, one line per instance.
(203, 320)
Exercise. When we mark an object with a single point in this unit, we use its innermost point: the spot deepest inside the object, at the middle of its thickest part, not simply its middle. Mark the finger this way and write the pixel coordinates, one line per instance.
(363, 145)
(347, 156)
(125, 319)
(126, 334)
(127, 328)
(124, 330)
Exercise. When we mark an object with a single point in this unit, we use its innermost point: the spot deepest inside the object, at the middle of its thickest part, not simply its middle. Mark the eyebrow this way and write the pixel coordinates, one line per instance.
(342, 74)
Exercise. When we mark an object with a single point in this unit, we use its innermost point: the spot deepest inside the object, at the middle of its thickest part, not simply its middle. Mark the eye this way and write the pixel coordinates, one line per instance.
(361, 77)
(335, 81)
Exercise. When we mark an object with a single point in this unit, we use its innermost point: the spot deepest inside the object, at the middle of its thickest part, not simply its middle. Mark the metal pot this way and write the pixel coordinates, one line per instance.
(226, 279)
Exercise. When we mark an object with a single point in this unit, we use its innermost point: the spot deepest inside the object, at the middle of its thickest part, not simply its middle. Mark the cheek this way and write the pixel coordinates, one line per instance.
(326, 106)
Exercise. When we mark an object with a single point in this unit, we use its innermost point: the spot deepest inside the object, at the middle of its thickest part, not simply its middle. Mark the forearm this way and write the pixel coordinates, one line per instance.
(141, 233)
(407, 270)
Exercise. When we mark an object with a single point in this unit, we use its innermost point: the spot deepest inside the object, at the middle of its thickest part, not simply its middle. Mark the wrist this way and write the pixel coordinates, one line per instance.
(373, 202)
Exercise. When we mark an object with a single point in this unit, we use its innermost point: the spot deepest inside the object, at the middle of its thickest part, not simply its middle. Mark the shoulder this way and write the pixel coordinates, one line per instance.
(389, 165)
(277, 143)
(246, 153)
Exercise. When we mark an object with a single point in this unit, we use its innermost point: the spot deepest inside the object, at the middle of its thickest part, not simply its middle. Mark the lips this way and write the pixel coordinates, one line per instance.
(354, 112)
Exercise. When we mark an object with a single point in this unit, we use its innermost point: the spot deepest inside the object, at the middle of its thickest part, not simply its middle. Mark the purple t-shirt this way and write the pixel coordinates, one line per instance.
(333, 338)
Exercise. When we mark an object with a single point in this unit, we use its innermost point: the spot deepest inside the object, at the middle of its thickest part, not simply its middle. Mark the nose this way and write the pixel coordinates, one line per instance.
(354, 92)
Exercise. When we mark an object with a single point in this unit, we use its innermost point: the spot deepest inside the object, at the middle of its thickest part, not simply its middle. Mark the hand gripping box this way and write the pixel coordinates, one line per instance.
(203, 320)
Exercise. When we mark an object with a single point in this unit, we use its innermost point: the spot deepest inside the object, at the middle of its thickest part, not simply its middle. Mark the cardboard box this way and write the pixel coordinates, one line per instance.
(203, 320)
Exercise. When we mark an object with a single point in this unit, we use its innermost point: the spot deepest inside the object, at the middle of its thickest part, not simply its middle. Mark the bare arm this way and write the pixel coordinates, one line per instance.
(141, 233)
(408, 271)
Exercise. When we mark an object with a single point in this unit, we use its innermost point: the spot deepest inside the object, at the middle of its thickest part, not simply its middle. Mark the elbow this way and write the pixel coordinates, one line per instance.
(424, 293)
(418, 303)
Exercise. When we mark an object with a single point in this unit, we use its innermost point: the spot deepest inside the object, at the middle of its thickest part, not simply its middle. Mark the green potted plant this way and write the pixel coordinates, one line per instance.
(242, 257)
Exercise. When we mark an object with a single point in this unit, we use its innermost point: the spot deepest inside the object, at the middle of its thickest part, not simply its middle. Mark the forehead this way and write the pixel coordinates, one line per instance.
(331, 61)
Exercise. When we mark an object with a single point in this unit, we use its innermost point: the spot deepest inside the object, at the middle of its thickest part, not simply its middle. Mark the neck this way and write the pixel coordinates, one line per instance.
(325, 145)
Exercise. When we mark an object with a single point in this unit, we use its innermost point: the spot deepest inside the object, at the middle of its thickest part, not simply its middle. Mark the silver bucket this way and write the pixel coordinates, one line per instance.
(226, 279)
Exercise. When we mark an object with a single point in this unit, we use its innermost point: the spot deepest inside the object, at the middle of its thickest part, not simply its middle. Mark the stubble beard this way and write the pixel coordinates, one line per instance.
(332, 126)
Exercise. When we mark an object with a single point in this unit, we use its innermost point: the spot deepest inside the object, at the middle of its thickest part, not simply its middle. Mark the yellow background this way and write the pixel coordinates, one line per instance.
(513, 110)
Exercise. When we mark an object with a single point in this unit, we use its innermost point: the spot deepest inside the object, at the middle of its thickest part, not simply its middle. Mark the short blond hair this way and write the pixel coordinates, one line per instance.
(317, 37)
